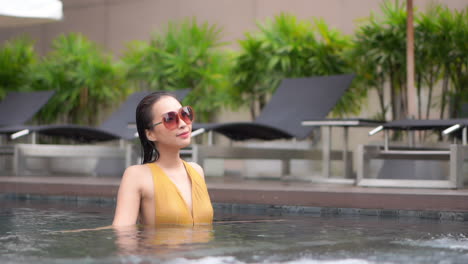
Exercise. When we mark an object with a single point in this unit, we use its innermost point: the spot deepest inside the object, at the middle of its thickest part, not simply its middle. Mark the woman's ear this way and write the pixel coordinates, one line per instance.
(150, 135)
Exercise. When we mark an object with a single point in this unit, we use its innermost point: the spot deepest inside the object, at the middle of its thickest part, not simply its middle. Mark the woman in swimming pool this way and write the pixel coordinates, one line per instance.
(164, 189)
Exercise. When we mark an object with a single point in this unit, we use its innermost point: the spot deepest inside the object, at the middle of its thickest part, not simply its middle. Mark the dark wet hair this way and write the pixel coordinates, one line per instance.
(144, 119)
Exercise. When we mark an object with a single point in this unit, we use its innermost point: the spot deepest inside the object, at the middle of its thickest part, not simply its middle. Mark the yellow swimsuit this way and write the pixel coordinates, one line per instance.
(171, 207)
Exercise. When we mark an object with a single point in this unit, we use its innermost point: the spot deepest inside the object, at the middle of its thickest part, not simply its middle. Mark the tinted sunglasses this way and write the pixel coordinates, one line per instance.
(171, 119)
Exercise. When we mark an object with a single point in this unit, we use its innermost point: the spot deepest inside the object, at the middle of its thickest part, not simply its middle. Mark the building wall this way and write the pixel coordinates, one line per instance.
(113, 23)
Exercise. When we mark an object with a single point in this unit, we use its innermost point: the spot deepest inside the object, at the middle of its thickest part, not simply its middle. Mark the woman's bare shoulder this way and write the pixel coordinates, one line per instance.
(137, 168)
(198, 168)
(136, 171)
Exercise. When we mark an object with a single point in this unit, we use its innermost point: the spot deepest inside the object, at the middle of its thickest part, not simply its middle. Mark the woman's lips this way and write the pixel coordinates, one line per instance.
(184, 135)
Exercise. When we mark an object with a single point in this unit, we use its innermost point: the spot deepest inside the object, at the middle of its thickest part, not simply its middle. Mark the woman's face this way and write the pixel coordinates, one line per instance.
(180, 136)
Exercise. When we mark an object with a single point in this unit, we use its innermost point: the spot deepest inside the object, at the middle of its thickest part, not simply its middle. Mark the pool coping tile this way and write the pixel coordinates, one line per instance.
(269, 196)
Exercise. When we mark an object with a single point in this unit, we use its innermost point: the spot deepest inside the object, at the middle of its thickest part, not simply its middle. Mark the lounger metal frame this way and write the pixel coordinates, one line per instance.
(456, 154)
(24, 151)
(202, 152)
(347, 156)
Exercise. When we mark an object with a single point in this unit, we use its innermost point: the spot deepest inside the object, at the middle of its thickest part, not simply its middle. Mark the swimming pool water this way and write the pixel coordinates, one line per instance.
(30, 232)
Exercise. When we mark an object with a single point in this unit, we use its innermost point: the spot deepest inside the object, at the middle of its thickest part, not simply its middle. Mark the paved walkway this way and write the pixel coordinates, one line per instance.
(266, 192)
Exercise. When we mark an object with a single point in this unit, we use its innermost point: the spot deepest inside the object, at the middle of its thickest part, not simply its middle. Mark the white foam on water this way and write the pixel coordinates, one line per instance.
(444, 243)
(338, 261)
(233, 260)
(206, 260)
(8, 237)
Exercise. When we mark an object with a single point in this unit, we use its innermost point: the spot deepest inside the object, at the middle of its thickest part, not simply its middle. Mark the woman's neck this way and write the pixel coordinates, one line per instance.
(169, 157)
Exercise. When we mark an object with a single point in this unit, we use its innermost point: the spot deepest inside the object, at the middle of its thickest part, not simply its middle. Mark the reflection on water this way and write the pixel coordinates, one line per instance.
(162, 240)
(28, 234)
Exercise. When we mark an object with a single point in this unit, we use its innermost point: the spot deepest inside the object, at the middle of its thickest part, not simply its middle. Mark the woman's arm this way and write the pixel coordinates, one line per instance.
(128, 198)
(127, 239)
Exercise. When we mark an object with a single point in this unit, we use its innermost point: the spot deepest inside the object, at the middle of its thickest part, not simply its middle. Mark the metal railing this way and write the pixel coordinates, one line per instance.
(201, 152)
(23, 152)
(456, 155)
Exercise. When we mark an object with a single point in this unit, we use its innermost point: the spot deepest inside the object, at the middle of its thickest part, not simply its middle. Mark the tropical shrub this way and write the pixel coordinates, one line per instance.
(85, 80)
(16, 57)
(379, 54)
(453, 25)
(186, 55)
(286, 48)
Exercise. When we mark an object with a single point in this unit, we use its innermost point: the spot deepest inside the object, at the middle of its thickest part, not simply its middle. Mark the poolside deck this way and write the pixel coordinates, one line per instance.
(374, 201)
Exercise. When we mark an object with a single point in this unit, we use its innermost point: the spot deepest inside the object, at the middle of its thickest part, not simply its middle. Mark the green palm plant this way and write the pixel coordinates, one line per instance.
(85, 80)
(252, 80)
(187, 55)
(328, 50)
(393, 55)
(363, 56)
(16, 57)
(286, 47)
(288, 43)
(380, 49)
(457, 59)
(448, 50)
(428, 55)
(250, 76)
(331, 56)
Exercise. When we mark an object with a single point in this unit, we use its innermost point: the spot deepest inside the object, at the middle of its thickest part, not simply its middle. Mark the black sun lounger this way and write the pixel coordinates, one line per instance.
(456, 127)
(416, 166)
(76, 132)
(295, 100)
(115, 127)
(19, 107)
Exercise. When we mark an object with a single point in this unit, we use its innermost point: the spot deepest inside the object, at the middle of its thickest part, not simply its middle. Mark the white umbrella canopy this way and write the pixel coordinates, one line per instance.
(28, 12)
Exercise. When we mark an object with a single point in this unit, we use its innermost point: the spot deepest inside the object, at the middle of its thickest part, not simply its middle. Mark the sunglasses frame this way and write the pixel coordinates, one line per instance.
(179, 117)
